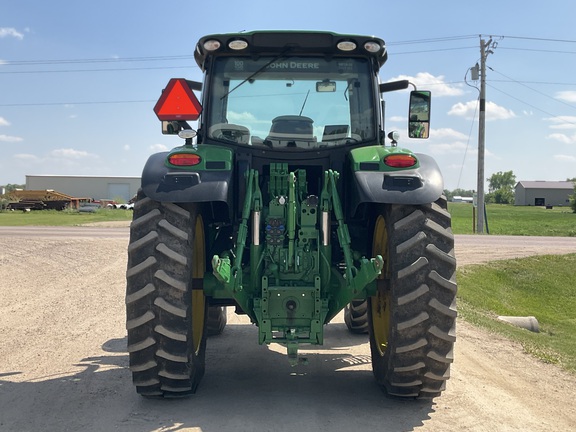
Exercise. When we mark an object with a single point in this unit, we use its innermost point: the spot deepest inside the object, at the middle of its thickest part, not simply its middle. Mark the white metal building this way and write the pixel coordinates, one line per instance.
(96, 187)
(543, 193)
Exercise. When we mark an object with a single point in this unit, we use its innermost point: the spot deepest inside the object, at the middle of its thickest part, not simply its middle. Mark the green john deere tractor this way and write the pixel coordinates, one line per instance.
(287, 203)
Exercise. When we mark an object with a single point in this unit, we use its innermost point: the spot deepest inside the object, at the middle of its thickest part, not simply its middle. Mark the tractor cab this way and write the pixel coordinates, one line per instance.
(290, 91)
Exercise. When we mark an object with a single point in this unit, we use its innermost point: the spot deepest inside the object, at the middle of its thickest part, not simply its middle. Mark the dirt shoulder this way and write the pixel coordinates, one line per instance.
(64, 365)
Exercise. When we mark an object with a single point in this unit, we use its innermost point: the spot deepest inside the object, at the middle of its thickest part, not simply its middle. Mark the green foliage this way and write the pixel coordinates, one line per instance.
(501, 188)
(502, 180)
(573, 198)
(500, 196)
(539, 286)
(11, 187)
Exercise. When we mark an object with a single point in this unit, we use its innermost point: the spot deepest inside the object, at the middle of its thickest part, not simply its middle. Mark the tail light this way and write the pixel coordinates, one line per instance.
(184, 159)
(400, 160)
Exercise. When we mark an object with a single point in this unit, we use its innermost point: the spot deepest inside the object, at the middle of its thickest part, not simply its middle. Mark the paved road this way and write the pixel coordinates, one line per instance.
(470, 249)
(73, 232)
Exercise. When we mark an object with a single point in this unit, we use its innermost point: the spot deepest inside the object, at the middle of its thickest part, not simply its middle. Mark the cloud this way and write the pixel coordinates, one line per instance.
(448, 148)
(26, 157)
(565, 158)
(436, 83)
(158, 148)
(562, 122)
(563, 138)
(443, 133)
(64, 158)
(10, 32)
(71, 154)
(493, 111)
(126, 147)
(4, 122)
(8, 138)
(243, 117)
(567, 96)
(447, 141)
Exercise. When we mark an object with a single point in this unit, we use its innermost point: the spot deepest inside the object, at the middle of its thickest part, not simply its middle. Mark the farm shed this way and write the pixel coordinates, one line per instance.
(96, 187)
(543, 193)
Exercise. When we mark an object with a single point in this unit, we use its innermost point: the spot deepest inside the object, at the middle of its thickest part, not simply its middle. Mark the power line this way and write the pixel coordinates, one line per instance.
(468, 142)
(536, 39)
(74, 103)
(563, 119)
(537, 50)
(432, 40)
(431, 50)
(532, 82)
(95, 60)
(95, 70)
(534, 90)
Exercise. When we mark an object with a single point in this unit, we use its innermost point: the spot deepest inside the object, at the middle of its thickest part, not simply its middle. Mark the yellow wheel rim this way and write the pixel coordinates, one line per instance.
(198, 299)
(380, 303)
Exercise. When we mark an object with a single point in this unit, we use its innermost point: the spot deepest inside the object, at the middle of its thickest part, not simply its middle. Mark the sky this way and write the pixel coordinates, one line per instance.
(79, 79)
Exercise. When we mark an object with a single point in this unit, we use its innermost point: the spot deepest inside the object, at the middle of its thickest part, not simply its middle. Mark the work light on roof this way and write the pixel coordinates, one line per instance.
(372, 47)
(238, 44)
(346, 46)
(211, 45)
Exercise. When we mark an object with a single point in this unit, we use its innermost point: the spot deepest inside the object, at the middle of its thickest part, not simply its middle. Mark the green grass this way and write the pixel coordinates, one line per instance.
(61, 218)
(502, 219)
(541, 286)
(516, 220)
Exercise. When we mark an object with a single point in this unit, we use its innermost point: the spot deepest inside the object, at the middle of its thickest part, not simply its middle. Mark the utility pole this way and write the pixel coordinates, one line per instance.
(484, 51)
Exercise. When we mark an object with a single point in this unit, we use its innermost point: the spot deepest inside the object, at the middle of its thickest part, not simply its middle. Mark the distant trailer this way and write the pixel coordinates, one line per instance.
(458, 199)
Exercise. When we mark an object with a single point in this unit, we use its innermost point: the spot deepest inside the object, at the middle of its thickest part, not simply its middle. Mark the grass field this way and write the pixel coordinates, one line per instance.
(541, 286)
(62, 218)
(516, 220)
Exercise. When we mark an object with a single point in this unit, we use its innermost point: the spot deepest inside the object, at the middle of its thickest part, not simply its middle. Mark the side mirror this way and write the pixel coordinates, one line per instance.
(171, 127)
(419, 114)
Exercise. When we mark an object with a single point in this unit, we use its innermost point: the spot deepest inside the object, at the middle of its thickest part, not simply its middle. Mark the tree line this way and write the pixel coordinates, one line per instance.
(12, 187)
(500, 189)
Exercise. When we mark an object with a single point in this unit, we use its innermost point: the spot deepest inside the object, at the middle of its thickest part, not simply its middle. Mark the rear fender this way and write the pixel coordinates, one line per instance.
(210, 181)
(421, 184)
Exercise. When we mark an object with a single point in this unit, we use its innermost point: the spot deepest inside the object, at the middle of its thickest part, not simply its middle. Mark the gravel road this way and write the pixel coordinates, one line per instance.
(63, 365)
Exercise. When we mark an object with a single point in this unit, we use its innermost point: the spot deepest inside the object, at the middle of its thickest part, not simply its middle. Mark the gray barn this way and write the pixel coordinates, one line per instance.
(543, 193)
(95, 187)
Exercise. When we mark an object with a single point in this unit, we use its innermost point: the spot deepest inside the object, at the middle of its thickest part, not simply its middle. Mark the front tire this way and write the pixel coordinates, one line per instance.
(216, 320)
(356, 316)
(165, 304)
(412, 317)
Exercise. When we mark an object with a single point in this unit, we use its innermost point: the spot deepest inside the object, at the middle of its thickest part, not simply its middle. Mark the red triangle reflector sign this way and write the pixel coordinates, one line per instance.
(177, 102)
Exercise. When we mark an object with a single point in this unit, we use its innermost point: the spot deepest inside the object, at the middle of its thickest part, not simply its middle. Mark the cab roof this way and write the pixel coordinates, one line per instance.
(274, 42)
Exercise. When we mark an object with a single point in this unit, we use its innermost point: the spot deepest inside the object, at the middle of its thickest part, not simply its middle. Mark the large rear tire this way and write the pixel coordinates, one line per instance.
(412, 317)
(165, 304)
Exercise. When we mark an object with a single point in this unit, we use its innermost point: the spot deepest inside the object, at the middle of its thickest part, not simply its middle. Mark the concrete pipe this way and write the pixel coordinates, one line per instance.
(528, 322)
